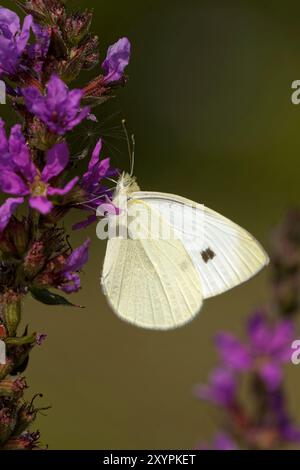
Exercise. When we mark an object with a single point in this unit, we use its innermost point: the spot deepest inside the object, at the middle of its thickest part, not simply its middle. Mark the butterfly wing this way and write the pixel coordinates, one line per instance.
(149, 282)
(224, 254)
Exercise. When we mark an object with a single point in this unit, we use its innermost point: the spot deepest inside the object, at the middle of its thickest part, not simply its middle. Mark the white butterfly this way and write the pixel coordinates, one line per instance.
(160, 282)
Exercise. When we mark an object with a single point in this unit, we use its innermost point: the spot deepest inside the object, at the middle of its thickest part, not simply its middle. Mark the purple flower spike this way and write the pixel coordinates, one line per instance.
(13, 40)
(59, 109)
(117, 59)
(269, 346)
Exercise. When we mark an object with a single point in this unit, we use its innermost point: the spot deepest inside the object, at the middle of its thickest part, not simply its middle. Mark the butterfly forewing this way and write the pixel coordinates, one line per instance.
(224, 254)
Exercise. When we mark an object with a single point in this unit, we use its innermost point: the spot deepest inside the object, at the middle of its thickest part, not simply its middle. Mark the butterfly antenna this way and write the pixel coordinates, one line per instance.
(132, 155)
(131, 150)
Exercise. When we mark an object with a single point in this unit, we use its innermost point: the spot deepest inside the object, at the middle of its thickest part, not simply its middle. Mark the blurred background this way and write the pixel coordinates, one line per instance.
(209, 102)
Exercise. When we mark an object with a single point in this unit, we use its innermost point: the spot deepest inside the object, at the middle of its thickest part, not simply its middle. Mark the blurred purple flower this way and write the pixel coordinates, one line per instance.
(268, 347)
(221, 389)
(13, 40)
(221, 442)
(59, 109)
(95, 193)
(117, 59)
(287, 429)
(40, 338)
(20, 177)
(70, 278)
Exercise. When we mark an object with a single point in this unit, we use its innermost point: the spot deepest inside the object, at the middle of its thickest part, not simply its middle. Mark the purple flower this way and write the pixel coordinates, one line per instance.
(20, 177)
(94, 193)
(13, 40)
(268, 347)
(221, 442)
(117, 59)
(221, 389)
(38, 51)
(59, 109)
(78, 258)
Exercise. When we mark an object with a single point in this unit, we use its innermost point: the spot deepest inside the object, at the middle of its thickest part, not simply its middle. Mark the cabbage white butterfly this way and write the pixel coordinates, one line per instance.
(159, 282)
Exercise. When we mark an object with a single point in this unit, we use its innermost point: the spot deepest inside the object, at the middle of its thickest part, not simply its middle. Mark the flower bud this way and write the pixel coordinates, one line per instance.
(7, 424)
(27, 440)
(77, 26)
(34, 260)
(12, 389)
(5, 369)
(11, 311)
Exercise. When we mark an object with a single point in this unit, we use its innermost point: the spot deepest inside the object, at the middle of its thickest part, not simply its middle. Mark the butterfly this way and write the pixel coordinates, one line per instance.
(173, 254)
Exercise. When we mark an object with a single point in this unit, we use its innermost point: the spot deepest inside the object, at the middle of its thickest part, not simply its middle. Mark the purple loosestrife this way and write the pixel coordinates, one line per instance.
(38, 60)
(260, 359)
(59, 109)
(267, 348)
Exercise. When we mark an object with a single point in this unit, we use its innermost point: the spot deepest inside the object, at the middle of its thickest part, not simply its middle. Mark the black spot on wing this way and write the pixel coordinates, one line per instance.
(207, 255)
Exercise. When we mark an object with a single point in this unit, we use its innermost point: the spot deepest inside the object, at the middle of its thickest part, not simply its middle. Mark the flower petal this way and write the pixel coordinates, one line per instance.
(259, 332)
(95, 155)
(117, 59)
(57, 159)
(271, 374)
(20, 153)
(7, 209)
(11, 183)
(282, 338)
(221, 388)
(57, 91)
(23, 37)
(85, 223)
(62, 191)
(78, 258)
(80, 117)
(233, 353)
(41, 204)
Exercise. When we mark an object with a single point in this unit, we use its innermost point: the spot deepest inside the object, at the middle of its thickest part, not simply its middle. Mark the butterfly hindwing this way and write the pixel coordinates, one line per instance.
(151, 283)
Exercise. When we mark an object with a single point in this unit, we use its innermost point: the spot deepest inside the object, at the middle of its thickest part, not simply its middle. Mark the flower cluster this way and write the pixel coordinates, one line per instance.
(258, 361)
(42, 180)
(261, 357)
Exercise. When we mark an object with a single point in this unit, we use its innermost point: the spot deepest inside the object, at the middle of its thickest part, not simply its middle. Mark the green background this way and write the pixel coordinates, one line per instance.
(208, 100)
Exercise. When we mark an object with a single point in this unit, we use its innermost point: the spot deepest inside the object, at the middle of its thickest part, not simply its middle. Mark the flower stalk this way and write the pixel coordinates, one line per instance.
(40, 57)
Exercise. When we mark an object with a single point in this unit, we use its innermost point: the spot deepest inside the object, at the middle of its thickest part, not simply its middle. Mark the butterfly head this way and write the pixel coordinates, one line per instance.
(126, 185)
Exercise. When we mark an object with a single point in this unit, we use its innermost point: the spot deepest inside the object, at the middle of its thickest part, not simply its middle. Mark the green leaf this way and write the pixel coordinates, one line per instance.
(49, 298)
